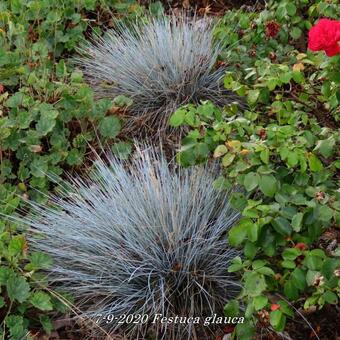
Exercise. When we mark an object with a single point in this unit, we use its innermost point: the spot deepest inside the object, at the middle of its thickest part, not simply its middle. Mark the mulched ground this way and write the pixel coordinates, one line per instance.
(210, 6)
(325, 323)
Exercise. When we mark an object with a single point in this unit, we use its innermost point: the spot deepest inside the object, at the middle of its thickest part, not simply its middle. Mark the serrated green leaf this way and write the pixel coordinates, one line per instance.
(277, 320)
(245, 331)
(297, 222)
(260, 302)
(252, 97)
(109, 127)
(266, 271)
(47, 120)
(290, 290)
(177, 117)
(39, 167)
(38, 260)
(5, 274)
(286, 77)
(298, 77)
(296, 33)
(255, 283)
(122, 149)
(288, 264)
(46, 323)
(264, 155)
(16, 245)
(122, 101)
(282, 226)
(18, 289)
(228, 80)
(290, 8)
(74, 157)
(325, 147)
(325, 213)
(258, 264)
(285, 308)
(41, 301)
(313, 262)
(250, 250)
(237, 234)
(232, 308)
(15, 325)
(291, 253)
(330, 297)
(314, 163)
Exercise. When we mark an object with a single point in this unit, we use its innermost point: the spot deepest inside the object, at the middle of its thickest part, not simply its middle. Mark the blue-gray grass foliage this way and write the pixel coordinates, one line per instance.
(140, 238)
(161, 65)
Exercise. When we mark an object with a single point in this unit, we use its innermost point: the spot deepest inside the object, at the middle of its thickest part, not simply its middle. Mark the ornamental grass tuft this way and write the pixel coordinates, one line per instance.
(142, 238)
(162, 64)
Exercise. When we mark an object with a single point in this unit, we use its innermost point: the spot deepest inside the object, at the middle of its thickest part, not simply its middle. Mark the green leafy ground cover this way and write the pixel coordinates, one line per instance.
(282, 151)
(48, 120)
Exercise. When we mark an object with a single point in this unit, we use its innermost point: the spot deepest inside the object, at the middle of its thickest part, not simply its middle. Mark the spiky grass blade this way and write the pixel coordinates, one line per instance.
(161, 65)
(140, 239)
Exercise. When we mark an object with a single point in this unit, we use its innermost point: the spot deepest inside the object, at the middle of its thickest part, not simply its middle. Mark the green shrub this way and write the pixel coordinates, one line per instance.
(283, 152)
(48, 119)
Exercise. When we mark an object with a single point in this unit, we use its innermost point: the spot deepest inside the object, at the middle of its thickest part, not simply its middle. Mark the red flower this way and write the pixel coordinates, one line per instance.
(325, 36)
(272, 29)
(301, 246)
(274, 306)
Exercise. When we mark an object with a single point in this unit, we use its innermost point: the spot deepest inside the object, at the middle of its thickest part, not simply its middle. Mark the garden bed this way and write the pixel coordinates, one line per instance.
(252, 93)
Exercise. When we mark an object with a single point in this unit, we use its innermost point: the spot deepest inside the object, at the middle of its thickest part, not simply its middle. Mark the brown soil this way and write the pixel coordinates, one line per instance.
(324, 325)
(209, 6)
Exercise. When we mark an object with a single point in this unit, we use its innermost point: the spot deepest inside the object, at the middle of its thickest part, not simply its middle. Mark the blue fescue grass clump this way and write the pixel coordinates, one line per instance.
(140, 238)
(163, 64)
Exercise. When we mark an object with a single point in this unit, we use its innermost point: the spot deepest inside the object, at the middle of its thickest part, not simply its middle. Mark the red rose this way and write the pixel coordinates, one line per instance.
(325, 36)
